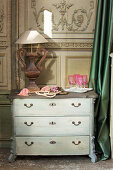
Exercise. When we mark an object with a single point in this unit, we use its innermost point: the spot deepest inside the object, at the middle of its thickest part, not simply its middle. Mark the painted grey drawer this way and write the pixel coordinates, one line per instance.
(78, 145)
(51, 126)
(51, 107)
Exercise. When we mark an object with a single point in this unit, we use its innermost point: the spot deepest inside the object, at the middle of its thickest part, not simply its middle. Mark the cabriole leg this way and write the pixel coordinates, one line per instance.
(92, 150)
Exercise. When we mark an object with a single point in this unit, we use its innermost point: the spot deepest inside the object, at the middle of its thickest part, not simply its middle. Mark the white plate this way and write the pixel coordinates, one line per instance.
(78, 90)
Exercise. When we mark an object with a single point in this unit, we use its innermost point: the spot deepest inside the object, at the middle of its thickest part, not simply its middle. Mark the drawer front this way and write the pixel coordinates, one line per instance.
(78, 145)
(51, 107)
(51, 126)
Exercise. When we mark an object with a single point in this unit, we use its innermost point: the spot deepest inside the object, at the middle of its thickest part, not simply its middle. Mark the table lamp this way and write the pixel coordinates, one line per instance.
(32, 71)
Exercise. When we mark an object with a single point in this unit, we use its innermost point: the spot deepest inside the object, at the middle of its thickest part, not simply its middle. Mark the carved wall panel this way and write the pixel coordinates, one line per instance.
(66, 16)
(3, 70)
(3, 18)
(5, 44)
(77, 65)
(5, 125)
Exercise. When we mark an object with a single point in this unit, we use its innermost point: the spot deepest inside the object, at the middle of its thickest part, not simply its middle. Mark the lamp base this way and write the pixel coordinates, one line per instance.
(32, 87)
(34, 90)
(34, 68)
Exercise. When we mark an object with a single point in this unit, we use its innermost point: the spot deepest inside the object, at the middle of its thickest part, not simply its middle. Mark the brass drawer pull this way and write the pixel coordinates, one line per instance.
(28, 124)
(28, 106)
(52, 142)
(76, 143)
(52, 123)
(79, 104)
(52, 104)
(77, 123)
(29, 144)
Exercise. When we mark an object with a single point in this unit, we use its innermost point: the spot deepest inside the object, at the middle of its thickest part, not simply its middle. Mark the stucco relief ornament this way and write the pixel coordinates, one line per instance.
(79, 19)
(1, 19)
(62, 7)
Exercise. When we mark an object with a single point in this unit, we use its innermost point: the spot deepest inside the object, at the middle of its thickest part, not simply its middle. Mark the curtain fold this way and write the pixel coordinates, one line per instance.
(100, 75)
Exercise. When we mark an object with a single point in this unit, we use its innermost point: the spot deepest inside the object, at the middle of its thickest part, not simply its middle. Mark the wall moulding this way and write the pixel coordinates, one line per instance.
(3, 70)
(74, 16)
(68, 45)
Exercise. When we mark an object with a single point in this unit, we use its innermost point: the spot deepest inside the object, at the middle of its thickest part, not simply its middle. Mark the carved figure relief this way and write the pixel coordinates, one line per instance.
(79, 20)
(62, 8)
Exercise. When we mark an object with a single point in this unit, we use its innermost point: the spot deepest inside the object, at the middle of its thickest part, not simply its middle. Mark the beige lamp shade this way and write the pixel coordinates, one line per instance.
(31, 37)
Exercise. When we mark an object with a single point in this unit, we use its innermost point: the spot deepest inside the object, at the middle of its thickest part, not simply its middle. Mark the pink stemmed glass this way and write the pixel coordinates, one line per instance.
(76, 79)
(80, 81)
(71, 79)
(84, 80)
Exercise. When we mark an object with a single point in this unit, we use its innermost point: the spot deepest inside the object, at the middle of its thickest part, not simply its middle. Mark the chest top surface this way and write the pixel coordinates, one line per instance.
(90, 94)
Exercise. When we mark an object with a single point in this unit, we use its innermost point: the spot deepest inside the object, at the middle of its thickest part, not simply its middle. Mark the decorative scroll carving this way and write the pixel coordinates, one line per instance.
(80, 18)
(62, 8)
(3, 44)
(1, 19)
(68, 45)
(33, 3)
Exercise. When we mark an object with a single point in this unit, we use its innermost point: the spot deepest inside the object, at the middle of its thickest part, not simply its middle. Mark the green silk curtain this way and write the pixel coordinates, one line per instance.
(100, 75)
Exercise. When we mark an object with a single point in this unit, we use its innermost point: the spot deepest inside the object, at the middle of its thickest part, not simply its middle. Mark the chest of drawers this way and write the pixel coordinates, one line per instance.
(63, 125)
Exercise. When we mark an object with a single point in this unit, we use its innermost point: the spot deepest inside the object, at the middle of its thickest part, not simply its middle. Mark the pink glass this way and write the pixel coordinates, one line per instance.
(84, 80)
(76, 78)
(71, 79)
(80, 80)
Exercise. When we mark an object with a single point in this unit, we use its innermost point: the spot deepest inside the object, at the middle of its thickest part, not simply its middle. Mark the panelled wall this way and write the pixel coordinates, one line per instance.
(5, 44)
(68, 25)
(5, 71)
